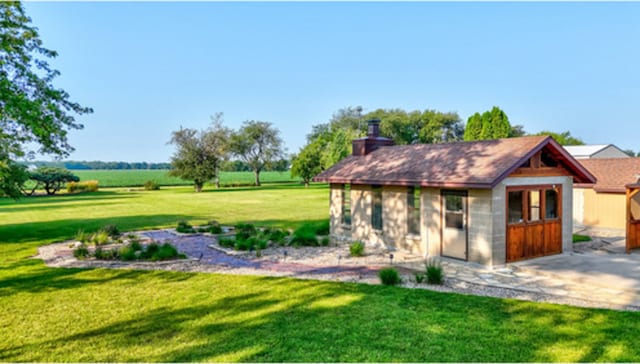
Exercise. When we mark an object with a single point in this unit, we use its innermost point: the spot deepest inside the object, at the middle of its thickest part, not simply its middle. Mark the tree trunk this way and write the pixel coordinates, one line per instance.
(198, 186)
(257, 174)
(306, 183)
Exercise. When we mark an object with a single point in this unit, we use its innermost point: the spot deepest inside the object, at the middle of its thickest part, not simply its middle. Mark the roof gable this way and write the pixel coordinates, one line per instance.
(480, 164)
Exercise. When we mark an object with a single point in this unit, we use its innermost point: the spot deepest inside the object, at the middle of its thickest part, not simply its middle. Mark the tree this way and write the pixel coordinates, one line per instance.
(308, 162)
(564, 138)
(440, 127)
(12, 177)
(517, 131)
(258, 144)
(52, 179)
(200, 154)
(473, 128)
(492, 124)
(32, 111)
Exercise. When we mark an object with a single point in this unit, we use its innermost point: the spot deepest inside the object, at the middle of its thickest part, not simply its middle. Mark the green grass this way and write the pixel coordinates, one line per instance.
(98, 315)
(134, 178)
(577, 238)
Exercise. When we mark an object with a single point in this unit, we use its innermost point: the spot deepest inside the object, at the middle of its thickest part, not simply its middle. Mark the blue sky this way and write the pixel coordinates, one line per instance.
(149, 68)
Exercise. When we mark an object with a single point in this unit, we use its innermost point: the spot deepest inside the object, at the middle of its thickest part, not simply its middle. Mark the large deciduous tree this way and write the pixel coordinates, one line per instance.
(258, 144)
(308, 162)
(200, 154)
(32, 110)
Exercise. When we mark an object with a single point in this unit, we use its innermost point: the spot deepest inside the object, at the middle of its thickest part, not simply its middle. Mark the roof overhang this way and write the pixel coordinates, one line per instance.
(580, 173)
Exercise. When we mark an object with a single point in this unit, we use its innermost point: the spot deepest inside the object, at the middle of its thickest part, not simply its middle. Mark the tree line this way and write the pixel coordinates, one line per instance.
(329, 142)
(228, 166)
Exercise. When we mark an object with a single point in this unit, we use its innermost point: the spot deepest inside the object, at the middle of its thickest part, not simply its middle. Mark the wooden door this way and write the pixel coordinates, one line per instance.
(534, 223)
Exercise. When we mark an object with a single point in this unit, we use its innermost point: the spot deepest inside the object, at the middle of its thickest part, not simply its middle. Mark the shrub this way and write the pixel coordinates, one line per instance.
(277, 236)
(201, 229)
(322, 228)
(389, 276)
(325, 241)
(81, 252)
(356, 249)
(184, 227)
(166, 251)
(420, 277)
(215, 229)
(86, 186)
(305, 235)
(434, 272)
(151, 250)
(241, 244)
(227, 242)
(151, 185)
(127, 253)
(100, 238)
(245, 231)
(135, 245)
(112, 230)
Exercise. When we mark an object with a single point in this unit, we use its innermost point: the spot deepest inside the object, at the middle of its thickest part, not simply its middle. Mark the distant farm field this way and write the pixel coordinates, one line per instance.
(137, 177)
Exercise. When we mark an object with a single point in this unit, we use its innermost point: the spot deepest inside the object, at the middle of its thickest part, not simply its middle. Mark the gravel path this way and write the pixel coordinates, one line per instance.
(331, 264)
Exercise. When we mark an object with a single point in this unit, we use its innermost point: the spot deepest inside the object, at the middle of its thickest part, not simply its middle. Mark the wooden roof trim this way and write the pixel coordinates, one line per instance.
(566, 158)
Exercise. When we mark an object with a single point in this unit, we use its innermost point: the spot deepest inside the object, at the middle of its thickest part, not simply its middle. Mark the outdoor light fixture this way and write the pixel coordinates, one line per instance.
(285, 255)
(391, 259)
(339, 257)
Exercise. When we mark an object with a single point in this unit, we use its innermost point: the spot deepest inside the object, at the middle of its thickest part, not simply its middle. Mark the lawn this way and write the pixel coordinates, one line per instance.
(137, 177)
(98, 315)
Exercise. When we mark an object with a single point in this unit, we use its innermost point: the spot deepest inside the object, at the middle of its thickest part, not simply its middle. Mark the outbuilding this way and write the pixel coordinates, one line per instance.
(601, 208)
(488, 202)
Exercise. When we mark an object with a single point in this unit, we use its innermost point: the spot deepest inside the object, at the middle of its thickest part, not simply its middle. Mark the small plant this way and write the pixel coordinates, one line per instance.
(356, 249)
(305, 235)
(389, 276)
(105, 254)
(420, 277)
(81, 252)
(112, 230)
(434, 272)
(151, 185)
(325, 241)
(184, 227)
(82, 237)
(577, 238)
(100, 238)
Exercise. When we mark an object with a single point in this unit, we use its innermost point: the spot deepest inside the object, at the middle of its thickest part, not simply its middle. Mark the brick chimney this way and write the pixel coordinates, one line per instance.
(373, 140)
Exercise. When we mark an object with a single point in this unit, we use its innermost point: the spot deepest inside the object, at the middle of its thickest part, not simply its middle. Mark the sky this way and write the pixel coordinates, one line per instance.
(148, 68)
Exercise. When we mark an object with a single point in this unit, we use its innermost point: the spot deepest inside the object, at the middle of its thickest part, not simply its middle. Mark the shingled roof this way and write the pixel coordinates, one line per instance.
(612, 173)
(480, 164)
